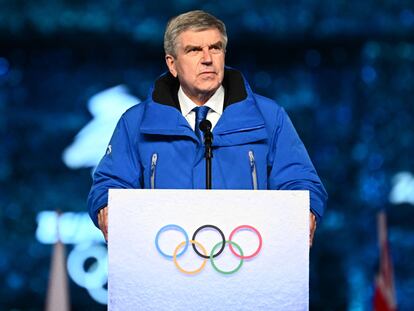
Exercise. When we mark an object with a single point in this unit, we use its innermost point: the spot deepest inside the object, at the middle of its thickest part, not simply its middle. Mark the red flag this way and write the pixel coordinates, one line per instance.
(384, 294)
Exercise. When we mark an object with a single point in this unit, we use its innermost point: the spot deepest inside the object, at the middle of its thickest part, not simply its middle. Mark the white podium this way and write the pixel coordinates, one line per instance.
(266, 267)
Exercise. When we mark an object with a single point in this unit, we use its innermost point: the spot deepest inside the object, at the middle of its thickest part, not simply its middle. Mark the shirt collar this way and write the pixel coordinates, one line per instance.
(215, 102)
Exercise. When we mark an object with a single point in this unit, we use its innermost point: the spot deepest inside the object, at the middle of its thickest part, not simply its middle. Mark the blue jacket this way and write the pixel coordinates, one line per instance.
(255, 146)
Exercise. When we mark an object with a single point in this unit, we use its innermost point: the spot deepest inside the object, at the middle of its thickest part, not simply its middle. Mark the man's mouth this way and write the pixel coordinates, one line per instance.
(207, 73)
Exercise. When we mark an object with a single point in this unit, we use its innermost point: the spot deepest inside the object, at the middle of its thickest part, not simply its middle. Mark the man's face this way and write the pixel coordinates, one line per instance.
(199, 62)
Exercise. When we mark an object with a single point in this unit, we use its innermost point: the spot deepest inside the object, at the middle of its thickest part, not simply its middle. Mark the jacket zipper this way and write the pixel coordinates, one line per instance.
(154, 159)
(253, 169)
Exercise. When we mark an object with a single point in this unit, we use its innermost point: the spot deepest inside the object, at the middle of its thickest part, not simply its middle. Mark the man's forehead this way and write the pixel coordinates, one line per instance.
(200, 37)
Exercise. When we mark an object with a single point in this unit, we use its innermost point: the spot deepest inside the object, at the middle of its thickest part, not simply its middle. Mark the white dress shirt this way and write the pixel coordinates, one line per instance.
(215, 103)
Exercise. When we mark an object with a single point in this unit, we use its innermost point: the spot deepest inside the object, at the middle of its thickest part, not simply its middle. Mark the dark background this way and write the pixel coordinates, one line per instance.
(343, 70)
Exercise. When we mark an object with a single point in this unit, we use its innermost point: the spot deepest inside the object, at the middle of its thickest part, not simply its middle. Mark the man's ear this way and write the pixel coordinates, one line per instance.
(170, 61)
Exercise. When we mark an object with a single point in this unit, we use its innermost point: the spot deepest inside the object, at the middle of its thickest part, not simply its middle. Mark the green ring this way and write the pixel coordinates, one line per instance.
(212, 259)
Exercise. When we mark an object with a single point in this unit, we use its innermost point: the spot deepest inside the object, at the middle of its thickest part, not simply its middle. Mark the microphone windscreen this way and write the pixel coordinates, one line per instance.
(205, 126)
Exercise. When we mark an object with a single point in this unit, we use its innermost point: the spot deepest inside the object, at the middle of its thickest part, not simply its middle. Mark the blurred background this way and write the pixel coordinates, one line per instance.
(343, 70)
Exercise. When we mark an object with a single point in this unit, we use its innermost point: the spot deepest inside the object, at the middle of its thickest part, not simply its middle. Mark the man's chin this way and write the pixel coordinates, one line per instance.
(209, 85)
(208, 90)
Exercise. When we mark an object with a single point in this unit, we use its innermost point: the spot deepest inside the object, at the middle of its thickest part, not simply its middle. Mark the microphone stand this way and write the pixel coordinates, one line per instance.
(205, 127)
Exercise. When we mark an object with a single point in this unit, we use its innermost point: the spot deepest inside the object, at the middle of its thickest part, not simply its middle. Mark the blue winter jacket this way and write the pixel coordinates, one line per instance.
(255, 146)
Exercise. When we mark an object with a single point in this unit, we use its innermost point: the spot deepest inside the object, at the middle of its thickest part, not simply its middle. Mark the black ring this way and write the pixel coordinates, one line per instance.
(222, 236)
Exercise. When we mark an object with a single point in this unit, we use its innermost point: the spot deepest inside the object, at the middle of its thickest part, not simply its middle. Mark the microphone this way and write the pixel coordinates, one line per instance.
(205, 126)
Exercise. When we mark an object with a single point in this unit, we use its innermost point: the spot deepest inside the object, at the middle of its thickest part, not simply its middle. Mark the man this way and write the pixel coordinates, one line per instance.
(157, 144)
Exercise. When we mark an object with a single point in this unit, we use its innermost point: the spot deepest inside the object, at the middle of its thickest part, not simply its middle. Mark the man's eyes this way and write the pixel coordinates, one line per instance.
(194, 49)
(197, 50)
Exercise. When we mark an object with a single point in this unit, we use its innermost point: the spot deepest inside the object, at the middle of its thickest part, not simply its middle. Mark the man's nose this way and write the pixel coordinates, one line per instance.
(207, 59)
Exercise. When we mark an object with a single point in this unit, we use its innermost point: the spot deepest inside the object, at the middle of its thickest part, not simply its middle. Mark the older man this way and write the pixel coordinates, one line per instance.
(157, 144)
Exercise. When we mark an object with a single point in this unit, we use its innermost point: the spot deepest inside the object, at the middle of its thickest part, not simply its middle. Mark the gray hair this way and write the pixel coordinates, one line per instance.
(194, 20)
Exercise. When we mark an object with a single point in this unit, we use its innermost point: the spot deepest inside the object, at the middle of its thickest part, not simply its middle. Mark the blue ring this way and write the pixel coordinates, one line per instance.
(171, 227)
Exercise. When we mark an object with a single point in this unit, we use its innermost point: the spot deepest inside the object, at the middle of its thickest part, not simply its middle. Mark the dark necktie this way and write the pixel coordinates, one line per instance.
(201, 114)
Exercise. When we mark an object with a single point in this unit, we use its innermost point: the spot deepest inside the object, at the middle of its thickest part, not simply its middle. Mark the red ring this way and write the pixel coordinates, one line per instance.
(250, 228)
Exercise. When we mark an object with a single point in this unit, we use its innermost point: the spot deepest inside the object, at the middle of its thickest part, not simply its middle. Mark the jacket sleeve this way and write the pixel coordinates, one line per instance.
(119, 169)
(291, 167)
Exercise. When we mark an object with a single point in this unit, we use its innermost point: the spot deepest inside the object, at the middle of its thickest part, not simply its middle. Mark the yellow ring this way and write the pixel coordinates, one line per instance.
(175, 257)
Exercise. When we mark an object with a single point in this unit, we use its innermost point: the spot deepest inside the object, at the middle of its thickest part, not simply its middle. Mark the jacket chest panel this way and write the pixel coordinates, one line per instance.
(180, 164)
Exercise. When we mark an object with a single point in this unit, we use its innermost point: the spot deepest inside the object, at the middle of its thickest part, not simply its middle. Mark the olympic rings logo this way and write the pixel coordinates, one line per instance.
(216, 250)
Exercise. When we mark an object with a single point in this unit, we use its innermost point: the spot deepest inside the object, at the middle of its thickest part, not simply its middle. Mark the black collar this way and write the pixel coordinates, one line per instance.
(166, 89)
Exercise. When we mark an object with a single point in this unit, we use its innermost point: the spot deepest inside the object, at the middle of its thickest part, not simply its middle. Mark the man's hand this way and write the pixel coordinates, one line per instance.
(312, 226)
(103, 221)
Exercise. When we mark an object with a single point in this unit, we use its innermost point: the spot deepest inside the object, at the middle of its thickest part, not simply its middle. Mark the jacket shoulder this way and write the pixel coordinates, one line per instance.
(266, 104)
(132, 117)
(272, 112)
(135, 111)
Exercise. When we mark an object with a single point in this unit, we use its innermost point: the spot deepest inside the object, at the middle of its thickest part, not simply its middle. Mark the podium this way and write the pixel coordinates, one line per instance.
(208, 250)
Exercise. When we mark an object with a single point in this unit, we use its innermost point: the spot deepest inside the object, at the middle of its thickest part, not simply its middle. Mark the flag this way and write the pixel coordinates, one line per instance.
(384, 294)
(58, 291)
